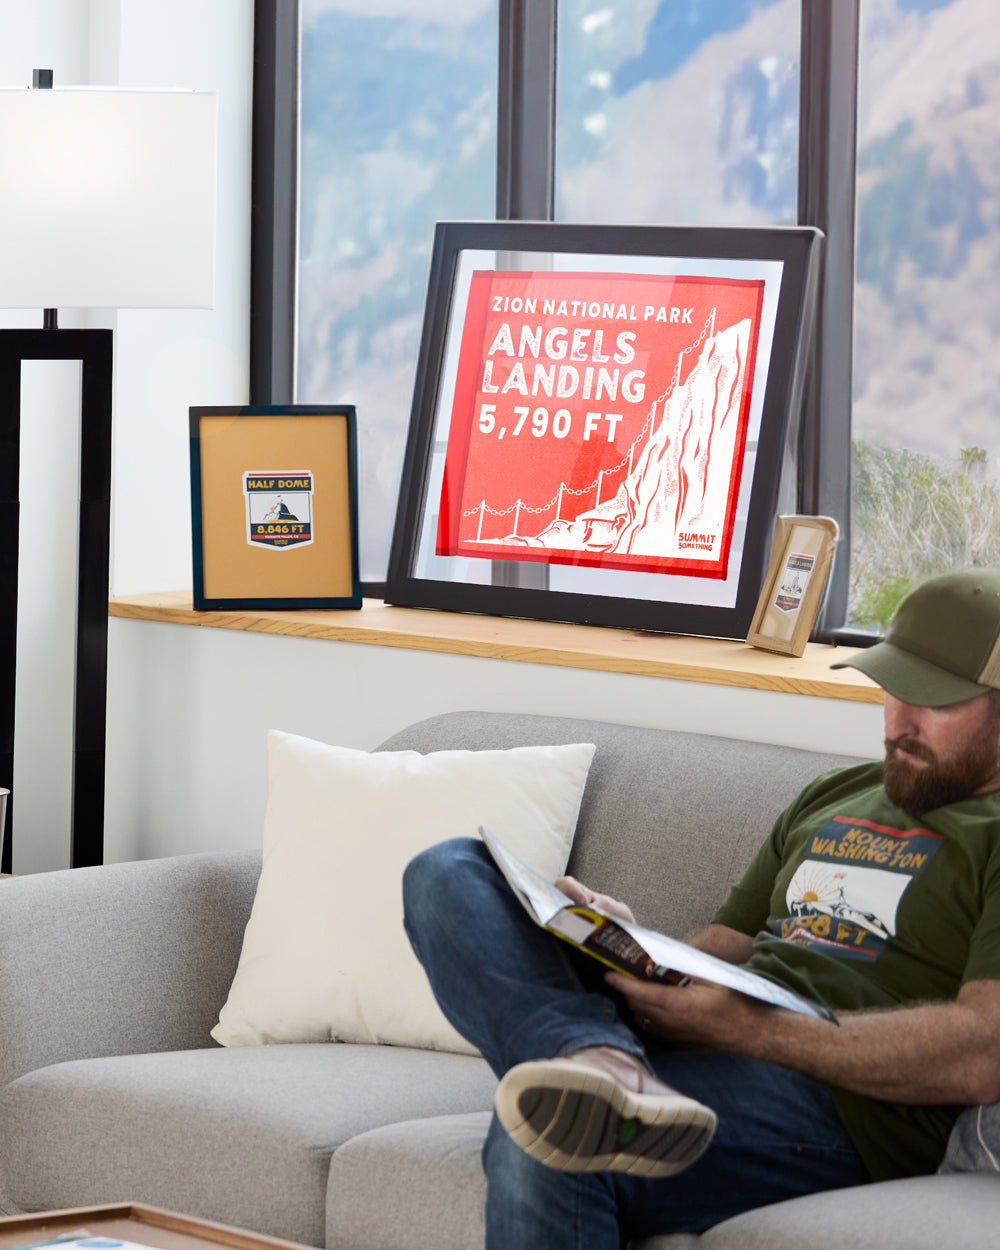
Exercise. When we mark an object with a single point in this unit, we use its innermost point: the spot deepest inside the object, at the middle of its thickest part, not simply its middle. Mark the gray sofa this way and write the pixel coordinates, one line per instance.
(111, 978)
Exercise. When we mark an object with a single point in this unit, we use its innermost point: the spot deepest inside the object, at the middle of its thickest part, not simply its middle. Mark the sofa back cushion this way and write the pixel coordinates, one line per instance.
(669, 820)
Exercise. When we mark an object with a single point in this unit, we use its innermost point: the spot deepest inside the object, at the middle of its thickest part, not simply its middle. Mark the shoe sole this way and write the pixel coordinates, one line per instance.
(579, 1119)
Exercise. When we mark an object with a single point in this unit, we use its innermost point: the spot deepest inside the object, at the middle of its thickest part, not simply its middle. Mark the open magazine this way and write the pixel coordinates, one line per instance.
(626, 946)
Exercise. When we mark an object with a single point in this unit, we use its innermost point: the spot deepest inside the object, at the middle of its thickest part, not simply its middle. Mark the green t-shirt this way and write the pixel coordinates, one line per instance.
(854, 904)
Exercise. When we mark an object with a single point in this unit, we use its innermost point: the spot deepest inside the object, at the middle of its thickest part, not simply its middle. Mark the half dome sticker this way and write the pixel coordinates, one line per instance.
(279, 508)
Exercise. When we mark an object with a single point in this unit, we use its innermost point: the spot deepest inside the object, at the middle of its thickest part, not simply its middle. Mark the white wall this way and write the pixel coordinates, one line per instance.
(190, 709)
(171, 360)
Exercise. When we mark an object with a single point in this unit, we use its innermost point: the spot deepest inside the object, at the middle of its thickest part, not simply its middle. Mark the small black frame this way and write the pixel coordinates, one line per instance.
(248, 457)
(432, 566)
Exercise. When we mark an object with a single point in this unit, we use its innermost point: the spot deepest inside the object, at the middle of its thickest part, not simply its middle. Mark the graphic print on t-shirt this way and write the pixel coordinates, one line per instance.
(845, 895)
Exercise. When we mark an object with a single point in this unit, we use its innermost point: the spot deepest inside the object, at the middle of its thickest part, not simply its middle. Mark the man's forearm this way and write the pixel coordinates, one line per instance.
(931, 1053)
(927, 1053)
(724, 943)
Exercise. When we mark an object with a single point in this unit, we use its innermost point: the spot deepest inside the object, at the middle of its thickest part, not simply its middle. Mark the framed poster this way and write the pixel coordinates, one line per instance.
(274, 507)
(801, 557)
(599, 421)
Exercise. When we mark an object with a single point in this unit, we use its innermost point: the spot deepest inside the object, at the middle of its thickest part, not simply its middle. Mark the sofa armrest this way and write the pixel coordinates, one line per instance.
(120, 959)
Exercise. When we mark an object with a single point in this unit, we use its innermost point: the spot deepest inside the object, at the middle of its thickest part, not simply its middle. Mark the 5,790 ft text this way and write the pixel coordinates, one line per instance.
(594, 423)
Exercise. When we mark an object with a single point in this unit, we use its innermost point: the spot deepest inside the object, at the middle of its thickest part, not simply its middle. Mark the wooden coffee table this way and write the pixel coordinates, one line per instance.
(133, 1221)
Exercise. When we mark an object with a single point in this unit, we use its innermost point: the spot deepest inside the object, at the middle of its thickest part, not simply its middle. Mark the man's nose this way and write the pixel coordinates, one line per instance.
(901, 719)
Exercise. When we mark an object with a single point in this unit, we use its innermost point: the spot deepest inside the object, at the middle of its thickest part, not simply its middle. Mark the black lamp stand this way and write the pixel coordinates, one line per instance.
(93, 348)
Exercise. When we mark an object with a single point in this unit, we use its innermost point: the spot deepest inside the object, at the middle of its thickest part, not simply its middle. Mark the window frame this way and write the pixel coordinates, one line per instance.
(274, 201)
(820, 447)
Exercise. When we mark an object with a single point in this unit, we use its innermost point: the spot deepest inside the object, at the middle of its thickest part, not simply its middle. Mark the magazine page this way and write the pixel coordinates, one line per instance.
(677, 956)
(541, 898)
(628, 946)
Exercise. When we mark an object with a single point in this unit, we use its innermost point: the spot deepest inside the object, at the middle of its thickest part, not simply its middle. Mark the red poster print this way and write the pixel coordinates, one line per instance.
(600, 419)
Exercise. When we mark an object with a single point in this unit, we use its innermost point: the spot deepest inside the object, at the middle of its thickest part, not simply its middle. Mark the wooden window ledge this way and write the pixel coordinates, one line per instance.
(712, 660)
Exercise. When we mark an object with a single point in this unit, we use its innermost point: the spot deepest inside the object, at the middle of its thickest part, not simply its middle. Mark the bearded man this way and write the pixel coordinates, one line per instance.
(876, 894)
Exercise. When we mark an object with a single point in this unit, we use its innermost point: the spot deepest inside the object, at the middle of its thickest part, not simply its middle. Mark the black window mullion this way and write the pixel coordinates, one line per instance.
(526, 147)
(274, 201)
(526, 110)
(827, 163)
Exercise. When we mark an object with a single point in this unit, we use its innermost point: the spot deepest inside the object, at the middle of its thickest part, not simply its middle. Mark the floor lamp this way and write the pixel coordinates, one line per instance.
(107, 200)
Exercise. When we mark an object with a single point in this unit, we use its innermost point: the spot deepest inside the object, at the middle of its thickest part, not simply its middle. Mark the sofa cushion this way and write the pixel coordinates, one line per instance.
(974, 1144)
(419, 1185)
(920, 1213)
(241, 1136)
(325, 957)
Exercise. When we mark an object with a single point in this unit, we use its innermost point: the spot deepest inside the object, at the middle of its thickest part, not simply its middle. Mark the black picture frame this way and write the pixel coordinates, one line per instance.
(430, 565)
(250, 456)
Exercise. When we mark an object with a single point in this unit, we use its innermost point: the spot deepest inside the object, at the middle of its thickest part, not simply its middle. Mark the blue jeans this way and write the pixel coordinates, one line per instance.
(518, 993)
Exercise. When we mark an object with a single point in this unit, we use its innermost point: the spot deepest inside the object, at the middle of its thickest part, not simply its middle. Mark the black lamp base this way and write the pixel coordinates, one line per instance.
(93, 348)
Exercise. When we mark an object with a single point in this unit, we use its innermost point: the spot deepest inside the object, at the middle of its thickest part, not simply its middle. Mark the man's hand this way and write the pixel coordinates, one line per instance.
(946, 1052)
(699, 1013)
(581, 893)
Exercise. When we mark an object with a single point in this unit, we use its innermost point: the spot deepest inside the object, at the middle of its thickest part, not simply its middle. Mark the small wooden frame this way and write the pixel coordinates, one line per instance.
(274, 507)
(801, 557)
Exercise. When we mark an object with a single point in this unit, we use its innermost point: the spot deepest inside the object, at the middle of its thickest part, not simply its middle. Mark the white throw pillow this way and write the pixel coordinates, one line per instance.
(325, 957)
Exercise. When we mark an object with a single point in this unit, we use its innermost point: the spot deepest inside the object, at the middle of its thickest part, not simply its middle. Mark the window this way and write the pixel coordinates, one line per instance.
(926, 370)
(706, 112)
(677, 114)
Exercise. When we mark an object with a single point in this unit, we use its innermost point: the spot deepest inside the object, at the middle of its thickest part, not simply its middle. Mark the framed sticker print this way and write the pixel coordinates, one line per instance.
(801, 557)
(599, 421)
(274, 507)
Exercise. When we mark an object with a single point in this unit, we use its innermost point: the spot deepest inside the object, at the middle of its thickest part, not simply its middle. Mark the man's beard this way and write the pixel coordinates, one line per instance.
(919, 790)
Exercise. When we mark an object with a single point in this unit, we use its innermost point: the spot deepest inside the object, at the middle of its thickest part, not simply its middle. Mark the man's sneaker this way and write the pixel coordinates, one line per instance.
(600, 1110)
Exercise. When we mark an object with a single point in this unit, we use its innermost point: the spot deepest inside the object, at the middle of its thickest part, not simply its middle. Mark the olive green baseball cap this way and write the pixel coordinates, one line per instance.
(943, 644)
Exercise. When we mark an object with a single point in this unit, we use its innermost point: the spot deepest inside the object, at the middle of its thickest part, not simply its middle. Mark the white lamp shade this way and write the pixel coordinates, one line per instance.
(107, 198)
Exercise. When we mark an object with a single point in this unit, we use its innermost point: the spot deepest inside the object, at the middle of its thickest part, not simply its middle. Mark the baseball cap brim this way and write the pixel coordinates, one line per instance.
(909, 678)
